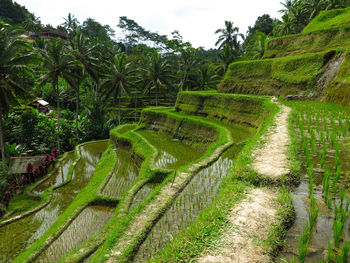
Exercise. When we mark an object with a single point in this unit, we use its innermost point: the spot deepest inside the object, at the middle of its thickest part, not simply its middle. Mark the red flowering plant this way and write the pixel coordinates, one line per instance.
(52, 159)
(29, 168)
(46, 159)
(31, 175)
(55, 153)
(15, 184)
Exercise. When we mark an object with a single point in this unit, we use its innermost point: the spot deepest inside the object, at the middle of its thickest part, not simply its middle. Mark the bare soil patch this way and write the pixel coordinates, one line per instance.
(271, 160)
(248, 226)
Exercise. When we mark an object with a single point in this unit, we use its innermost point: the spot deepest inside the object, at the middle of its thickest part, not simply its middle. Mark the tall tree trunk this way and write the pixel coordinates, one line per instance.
(136, 107)
(77, 116)
(2, 148)
(156, 95)
(58, 118)
(119, 108)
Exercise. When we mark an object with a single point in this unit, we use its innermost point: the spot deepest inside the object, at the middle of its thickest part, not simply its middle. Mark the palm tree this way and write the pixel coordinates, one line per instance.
(257, 49)
(85, 54)
(288, 5)
(312, 7)
(158, 74)
(32, 23)
(75, 82)
(71, 24)
(206, 78)
(58, 61)
(227, 57)
(299, 16)
(12, 62)
(333, 4)
(286, 26)
(96, 109)
(188, 65)
(294, 17)
(229, 35)
(119, 78)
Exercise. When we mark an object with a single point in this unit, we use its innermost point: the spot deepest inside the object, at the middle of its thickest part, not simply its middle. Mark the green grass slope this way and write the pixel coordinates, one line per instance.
(277, 77)
(329, 29)
(302, 43)
(313, 64)
(230, 108)
(325, 20)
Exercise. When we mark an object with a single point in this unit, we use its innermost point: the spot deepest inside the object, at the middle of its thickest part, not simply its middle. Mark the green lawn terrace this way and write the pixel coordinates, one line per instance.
(175, 176)
(313, 64)
(213, 135)
(171, 151)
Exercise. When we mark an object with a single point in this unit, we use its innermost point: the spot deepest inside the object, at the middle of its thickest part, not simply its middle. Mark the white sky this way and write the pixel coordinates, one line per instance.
(196, 20)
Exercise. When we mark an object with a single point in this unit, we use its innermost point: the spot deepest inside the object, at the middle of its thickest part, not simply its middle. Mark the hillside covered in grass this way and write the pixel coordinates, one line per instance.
(312, 64)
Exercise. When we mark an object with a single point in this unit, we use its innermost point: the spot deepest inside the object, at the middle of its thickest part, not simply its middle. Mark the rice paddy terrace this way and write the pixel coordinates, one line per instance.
(219, 177)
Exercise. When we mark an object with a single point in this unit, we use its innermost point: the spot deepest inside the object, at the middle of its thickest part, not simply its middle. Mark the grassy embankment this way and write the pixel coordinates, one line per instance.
(147, 153)
(330, 29)
(168, 122)
(269, 110)
(203, 232)
(276, 77)
(132, 141)
(314, 63)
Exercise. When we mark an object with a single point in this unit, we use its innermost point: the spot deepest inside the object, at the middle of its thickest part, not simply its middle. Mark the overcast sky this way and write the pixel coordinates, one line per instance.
(196, 20)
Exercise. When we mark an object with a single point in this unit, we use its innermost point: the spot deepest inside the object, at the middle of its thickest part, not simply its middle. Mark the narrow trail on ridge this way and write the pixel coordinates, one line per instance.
(271, 160)
(250, 220)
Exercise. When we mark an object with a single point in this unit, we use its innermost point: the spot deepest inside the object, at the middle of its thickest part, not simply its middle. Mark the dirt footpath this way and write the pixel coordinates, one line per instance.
(249, 221)
(271, 160)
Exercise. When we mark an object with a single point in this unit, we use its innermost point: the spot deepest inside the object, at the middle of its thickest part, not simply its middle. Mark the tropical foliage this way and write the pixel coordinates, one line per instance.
(296, 14)
(92, 75)
(13, 59)
(229, 35)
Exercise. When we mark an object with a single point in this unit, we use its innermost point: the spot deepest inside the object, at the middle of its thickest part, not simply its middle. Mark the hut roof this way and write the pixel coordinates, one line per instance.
(43, 102)
(40, 101)
(18, 164)
(52, 32)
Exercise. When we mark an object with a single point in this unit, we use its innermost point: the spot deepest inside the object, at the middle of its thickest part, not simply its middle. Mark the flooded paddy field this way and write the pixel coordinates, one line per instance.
(173, 153)
(17, 236)
(321, 229)
(59, 176)
(91, 220)
(124, 175)
(197, 195)
(142, 194)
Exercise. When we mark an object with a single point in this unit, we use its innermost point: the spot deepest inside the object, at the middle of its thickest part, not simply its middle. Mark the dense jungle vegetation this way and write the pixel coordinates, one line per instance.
(94, 82)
